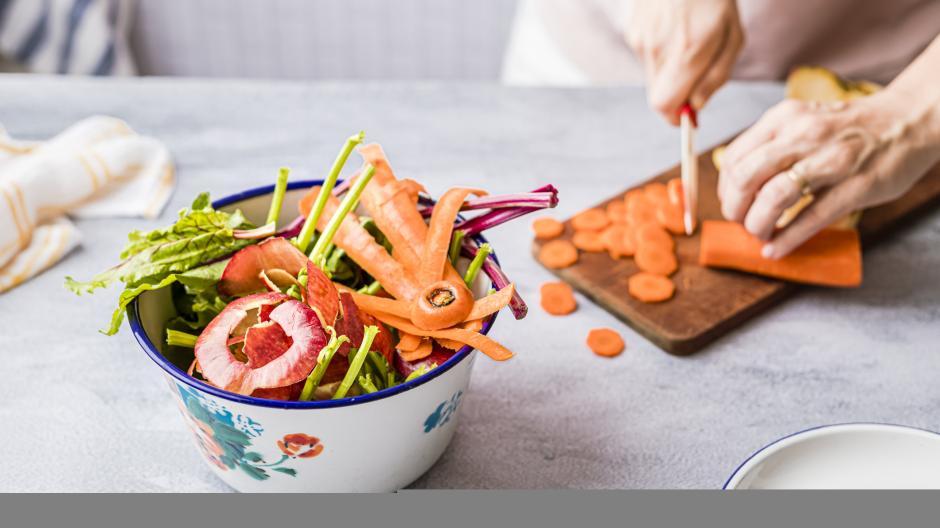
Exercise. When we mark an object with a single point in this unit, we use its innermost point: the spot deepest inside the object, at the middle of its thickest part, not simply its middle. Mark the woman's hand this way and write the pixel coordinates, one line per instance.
(850, 155)
(688, 48)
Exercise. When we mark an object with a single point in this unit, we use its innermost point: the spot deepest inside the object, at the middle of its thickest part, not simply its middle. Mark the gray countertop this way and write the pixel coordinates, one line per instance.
(83, 412)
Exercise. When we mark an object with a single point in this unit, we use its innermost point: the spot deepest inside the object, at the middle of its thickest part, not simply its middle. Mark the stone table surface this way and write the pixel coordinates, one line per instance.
(83, 412)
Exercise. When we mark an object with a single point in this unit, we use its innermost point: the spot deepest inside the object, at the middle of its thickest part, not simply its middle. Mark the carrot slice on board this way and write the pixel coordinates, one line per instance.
(670, 216)
(468, 337)
(676, 194)
(362, 247)
(656, 193)
(591, 241)
(546, 228)
(557, 298)
(590, 220)
(650, 288)
(833, 257)
(437, 243)
(422, 351)
(656, 259)
(653, 234)
(639, 209)
(617, 212)
(605, 342)
(615, 240)
(408, 342)
(558, 254)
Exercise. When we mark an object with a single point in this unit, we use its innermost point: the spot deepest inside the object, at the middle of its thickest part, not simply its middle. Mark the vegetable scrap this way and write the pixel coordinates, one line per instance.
(547, 228)
(650, 288)
(360, 293)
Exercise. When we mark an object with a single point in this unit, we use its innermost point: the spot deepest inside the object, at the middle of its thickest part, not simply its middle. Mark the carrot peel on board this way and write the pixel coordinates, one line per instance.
(833, 257)
(605, 342)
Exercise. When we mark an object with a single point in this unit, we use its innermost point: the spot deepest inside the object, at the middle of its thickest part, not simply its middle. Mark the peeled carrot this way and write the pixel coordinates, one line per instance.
(546, 228)
(437, 242)
(558, 254)
(591, 241)
(833, 257)
(590, 220)
(650, 288)
(605, 342)
(639, 209)
(362, 247)
(617, 212)
(653, 234)
(676, 193)
(656, 193)
(557, 298)
(657, 260)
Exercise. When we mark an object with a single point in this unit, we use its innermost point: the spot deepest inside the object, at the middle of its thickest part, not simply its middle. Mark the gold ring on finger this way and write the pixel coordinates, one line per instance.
(795, 174)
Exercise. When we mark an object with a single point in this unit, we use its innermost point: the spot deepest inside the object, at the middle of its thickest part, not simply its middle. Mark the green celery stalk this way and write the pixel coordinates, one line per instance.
(356, 364)
(476, 264)
(277, 199)
(455, 244)
(323, 361)
(318, 254)
(180, 339)
(365, 383)
(306, 234)
(371, 288)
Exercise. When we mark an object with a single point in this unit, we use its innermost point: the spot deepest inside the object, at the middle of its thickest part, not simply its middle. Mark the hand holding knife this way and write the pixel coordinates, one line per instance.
(688, 123)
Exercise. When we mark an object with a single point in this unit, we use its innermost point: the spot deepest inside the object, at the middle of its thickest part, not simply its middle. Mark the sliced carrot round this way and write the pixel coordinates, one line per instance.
(655, 259)
(676, 194)
(591, 241)
(558, 298)
(639, 209)
(558, 254)
(617, 212)
(653, 234)
(656, 192)
(590, 220)
(650, 288)
(615, 241)
(671, 217)
(546, 228)
(605, 342)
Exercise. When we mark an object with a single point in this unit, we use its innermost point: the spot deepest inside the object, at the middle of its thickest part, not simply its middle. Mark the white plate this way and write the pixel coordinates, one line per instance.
(846, 456)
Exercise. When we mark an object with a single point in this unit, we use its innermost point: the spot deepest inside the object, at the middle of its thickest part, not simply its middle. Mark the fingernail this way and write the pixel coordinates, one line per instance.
(768, 251)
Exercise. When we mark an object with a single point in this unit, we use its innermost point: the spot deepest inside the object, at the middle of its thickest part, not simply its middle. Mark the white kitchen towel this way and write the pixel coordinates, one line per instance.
(96, 168)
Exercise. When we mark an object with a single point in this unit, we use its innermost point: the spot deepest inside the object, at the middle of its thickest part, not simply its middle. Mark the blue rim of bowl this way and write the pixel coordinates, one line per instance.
(816, 428)
(144, 341)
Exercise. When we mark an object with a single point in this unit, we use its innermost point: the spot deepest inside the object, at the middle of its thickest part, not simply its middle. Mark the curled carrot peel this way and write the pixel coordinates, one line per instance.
(423, 350)
(437, 243)
(441, 304)
(474, 326)
(468, 337)
(362, 247)
(408, 342)
(488, 305)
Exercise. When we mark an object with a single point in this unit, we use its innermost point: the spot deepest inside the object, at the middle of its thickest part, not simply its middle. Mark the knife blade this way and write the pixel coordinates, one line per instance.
(688, 124)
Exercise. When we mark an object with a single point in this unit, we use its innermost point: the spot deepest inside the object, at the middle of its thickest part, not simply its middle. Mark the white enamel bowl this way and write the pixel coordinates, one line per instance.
(376, 442)
(845, 456)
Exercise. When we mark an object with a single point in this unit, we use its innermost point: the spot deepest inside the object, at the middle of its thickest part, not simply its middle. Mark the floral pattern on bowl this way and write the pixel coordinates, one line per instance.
(443, 413)
(225, 437)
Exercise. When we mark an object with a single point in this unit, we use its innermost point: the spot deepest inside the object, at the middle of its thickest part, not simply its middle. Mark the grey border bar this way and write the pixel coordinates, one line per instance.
(476, 509)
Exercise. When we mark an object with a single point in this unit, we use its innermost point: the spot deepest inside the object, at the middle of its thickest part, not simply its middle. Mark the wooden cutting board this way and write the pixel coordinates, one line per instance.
(709, 303)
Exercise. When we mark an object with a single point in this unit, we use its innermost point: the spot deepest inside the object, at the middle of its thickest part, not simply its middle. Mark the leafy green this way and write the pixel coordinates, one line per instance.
(158, 258)
(424, 369)
(323, 361)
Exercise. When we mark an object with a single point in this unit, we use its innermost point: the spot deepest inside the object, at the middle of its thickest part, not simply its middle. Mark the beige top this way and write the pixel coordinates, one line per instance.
(859, 39)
